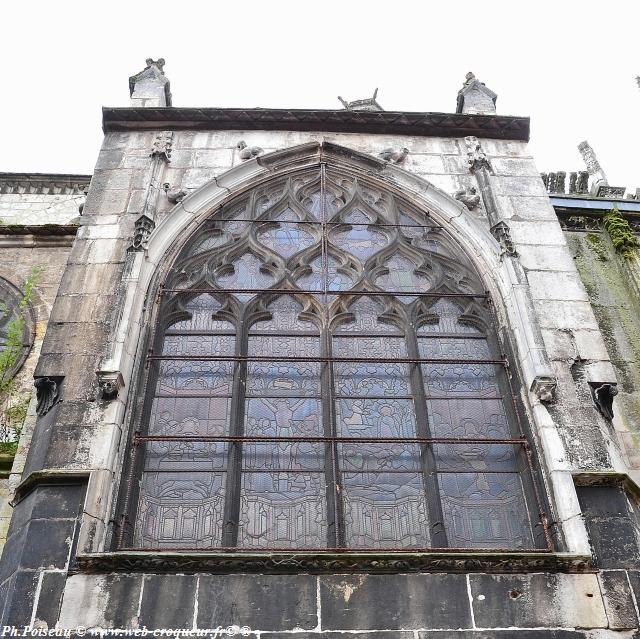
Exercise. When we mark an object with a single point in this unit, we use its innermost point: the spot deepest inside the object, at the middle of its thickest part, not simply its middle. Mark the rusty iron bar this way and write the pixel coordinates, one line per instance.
(321, 438)
(323, 223)
(339, 360)
(293, 552)
(296, 291)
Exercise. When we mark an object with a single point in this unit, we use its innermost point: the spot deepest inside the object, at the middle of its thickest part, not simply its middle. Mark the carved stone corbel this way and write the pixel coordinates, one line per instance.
(109, 383)
(143, 229)
(544, 388)
(47, 394)
(603, 394)
(162, 146)
(476, 158)
(469, 197)
(502, 233)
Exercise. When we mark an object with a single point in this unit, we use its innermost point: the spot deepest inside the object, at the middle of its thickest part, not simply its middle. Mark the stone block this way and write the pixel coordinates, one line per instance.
(565, 315)
(422, 163)
(262, 602)
(220, 159)
(537, 601)
(618, 600)
(547, 233)
(517, 167)
(519, 186)
(168, 601)
(48, 543)
(546, 285)
(394, 602)
(21, 591)
(50, 598)
(546, 258)
(109, 159)
(108, 601)
(506, 634)
(195, 178)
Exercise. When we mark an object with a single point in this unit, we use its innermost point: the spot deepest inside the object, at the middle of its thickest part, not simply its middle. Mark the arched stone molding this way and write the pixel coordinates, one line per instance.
(511, 298)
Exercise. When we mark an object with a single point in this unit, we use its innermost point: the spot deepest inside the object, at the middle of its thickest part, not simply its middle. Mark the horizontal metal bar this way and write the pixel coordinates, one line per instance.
(337, 333)
(296, 358)
(322, 471)
(322, 223)
(296, 291)
(358, 549)
(321, 438)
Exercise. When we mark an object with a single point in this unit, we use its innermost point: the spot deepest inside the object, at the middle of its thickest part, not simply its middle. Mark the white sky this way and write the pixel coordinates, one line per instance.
(569, 65)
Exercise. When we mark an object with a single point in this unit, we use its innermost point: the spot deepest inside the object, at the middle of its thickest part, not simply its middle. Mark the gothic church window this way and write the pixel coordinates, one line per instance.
(325, 374)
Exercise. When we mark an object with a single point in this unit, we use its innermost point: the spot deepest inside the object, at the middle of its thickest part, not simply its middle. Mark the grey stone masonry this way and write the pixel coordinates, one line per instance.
(68, 564)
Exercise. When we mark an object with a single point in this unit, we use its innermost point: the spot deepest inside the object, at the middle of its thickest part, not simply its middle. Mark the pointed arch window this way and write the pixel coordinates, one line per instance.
(325, 374)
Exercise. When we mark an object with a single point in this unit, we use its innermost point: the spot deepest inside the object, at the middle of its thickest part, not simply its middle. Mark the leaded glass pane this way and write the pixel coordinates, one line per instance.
(285, 239)
(485, 510)
(385, 510)
(203, 415)
(247, 274)
(403, 277)
(194, 377)
(283, 510)
(178, 510)
(336, 280)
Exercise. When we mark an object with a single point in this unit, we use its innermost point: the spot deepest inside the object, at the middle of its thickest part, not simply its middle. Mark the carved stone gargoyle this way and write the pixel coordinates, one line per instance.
(603, 394)
(394, 156)
(247, 152)
(47, 394)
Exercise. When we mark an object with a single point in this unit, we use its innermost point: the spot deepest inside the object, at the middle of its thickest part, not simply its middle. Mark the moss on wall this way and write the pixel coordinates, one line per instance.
(602, 268)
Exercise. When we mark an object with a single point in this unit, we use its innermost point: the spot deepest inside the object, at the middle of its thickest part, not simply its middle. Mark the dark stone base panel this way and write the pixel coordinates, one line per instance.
(40, 546)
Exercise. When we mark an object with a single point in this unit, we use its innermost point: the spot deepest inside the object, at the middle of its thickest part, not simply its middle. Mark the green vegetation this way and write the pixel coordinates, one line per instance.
(13, 405)
(624, 241)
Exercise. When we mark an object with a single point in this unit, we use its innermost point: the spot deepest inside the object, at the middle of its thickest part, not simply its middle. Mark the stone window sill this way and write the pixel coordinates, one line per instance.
(329, 563)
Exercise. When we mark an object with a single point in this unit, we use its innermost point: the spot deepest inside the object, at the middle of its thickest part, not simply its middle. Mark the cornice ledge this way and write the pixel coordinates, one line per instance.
(340, 121)
(330, 562)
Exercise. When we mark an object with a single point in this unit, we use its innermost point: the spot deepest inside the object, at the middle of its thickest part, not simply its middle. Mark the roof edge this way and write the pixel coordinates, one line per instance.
(502, 127)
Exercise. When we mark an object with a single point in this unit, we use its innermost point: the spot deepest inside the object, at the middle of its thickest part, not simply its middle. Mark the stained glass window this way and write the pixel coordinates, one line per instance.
(325, 375)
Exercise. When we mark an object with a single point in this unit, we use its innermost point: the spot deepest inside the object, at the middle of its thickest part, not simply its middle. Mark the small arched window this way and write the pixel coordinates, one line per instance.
(325, 374)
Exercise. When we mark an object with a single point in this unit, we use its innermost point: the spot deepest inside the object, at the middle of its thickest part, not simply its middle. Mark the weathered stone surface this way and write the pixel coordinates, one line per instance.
(504, 634)
(612, 528)
(21, 591)
(108, 601)
(262, 602)
(537, 601)
(168, 601)
(50, 598)
(618, 600)
(395, 602)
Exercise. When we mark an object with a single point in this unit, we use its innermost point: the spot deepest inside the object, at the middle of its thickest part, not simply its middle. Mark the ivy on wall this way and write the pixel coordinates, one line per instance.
(13, 404)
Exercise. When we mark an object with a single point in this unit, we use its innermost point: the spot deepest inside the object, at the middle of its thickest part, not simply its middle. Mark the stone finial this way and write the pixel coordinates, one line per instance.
(367, 104)
(475, 97)
(150, 87)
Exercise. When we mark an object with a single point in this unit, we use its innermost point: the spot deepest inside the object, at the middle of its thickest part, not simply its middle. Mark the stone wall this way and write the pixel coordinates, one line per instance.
(38, 214)
(99, 322)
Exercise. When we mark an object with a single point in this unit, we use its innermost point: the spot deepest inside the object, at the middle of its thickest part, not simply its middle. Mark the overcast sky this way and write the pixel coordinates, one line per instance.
(569, 65)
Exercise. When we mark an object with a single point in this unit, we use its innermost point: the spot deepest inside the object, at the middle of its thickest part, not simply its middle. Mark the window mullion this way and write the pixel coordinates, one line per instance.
(438, 535)
(236, 428)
